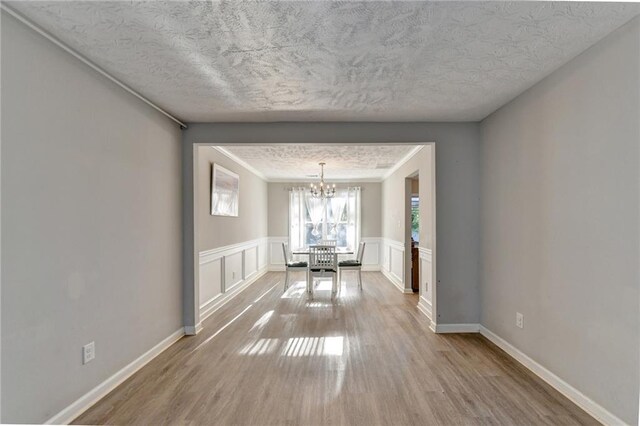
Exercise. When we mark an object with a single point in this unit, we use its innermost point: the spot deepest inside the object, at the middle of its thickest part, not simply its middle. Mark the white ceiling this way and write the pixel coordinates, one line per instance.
(299, 163)
(318, 61)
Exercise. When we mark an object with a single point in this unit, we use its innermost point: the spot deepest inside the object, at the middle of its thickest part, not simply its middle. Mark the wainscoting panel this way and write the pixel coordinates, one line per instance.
(232, 270)
(372, 254)
(210, 280)
(250, 261)
(225, 271)
(393, 266)
(276, 257)
(426, 276)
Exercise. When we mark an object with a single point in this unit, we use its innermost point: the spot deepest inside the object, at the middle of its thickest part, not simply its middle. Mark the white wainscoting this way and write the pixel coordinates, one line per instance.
(276, 257)
(393, 262)
(372, 253)
(426, 285)
(370, 261)
(227, 270)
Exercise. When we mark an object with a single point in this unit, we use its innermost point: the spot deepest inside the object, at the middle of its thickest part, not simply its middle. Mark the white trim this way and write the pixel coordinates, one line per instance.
(371, 268)
(394, 280)
(433, 326)
(456, 328)
(83, 403)
(207, 256)
(393, 243)
(424, 306)
(240, 161)
(222, 299)
(190, 330)
(425, 253)
(403, 160)
(577, 397)
(388, 245)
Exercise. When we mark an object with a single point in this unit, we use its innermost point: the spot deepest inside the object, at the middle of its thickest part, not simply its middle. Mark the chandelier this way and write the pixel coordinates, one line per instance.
(322, 190)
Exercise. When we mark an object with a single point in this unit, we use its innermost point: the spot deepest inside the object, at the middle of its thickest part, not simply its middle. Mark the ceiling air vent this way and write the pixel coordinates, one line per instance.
(384, 166)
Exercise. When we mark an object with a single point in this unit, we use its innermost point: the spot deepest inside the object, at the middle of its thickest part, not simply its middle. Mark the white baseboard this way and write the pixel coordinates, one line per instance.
(226, 297)
(394, 281)
(456, 328)
(578, 398)
(425, 307)
(371, 268)
(276, 268)
(83, 403)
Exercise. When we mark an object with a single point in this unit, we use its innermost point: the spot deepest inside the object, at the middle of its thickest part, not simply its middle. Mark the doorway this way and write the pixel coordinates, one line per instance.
(412, 232)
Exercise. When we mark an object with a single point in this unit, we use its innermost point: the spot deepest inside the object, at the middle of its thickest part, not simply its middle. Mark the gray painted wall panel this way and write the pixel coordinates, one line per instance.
(561, 222)
(91, 227)
(457, 199)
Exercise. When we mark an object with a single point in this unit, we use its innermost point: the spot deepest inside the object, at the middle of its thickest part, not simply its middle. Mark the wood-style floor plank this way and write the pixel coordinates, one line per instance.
(366, 358)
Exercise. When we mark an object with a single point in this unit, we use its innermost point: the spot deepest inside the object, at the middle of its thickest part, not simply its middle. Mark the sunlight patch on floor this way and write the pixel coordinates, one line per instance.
(260, 347)
(314, 346)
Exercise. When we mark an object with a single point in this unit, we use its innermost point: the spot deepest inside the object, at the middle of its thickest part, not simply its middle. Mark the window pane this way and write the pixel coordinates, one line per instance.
(312, 235)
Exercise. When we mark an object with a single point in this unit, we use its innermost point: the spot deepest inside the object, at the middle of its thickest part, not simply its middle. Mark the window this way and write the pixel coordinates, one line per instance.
(312, 220)
(415, 218)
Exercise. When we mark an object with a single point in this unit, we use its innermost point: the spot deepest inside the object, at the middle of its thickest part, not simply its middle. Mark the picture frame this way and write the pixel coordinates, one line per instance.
(225, 191)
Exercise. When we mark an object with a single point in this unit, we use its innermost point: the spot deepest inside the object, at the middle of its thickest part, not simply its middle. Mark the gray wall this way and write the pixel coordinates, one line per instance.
(251, 223)
(457, 177)
(370, 208)
(91, 227)
(560, 222)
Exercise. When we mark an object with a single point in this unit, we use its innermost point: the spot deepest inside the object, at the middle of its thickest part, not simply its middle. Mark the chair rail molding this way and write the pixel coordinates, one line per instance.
(225, 271)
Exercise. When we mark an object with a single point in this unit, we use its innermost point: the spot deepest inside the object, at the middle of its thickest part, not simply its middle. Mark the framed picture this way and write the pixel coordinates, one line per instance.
(225, 188)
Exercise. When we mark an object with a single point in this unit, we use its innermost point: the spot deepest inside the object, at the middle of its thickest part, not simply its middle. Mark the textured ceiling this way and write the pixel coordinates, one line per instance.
(348, 61)
(300, 162)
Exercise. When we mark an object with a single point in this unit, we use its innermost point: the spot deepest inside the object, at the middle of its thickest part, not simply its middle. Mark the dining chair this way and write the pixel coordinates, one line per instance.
(322, 260)
(352, 265)
(291, 265)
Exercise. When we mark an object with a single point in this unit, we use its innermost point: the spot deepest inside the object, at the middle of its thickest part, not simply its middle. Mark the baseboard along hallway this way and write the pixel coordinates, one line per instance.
(367, 357)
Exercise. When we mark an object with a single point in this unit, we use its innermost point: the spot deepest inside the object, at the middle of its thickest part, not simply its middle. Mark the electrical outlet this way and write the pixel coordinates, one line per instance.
(88, 352)
(519, 320)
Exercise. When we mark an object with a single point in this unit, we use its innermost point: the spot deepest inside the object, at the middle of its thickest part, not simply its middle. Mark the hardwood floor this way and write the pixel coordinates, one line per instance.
(367, 358)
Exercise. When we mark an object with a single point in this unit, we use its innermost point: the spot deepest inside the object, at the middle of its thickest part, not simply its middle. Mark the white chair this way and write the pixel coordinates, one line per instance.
(352, 265)
(322, 260)
(291, 265)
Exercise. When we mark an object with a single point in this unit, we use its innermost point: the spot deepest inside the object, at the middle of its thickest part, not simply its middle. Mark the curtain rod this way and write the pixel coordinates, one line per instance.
(86, 61)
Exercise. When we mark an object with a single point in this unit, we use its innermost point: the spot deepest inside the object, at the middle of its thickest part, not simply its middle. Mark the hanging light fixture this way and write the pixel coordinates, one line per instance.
(322, 190)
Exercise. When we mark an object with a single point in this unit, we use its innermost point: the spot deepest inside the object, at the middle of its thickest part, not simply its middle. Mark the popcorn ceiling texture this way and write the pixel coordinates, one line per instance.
(347, 61)
(297, 162)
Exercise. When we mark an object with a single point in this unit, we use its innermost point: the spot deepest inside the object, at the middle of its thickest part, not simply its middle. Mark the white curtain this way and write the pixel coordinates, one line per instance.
(304, 209)
(296, 218)
(353, 217)
(315, 207)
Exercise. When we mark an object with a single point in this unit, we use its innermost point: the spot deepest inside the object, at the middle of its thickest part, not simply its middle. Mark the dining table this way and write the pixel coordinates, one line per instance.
(339, 251)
